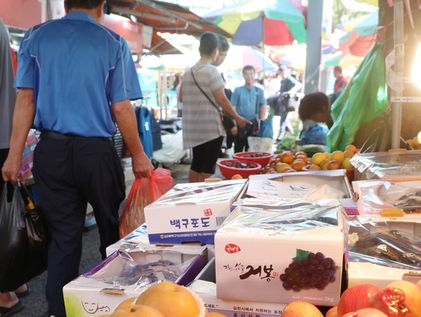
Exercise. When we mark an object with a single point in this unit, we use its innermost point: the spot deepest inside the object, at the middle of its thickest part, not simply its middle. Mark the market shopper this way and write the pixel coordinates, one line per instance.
(229, 125)
(203, 97)
(74, 78)
(9, 302)
(289, 87)
(314, 113)
(340, 81)
(249, 102)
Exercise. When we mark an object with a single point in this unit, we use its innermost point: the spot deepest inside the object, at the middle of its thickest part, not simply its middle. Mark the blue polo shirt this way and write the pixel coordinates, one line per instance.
(78, 69)
(247, 101)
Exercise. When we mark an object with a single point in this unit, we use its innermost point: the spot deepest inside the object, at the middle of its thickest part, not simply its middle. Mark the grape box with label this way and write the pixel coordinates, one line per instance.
(281, 255)
(191, 212)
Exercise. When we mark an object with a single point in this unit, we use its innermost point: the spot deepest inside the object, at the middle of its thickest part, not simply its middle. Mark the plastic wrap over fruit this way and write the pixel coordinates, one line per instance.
(391, 166)
(196, 193)
(140, 268)
(378, 243)
(287, 217)
(389, 198)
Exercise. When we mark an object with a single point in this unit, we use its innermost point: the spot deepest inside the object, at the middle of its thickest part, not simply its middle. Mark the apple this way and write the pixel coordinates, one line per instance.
(287, 157)
(411, 299)
(333, 312)
(347, 164)
(298, 165)
(281, 167)
(314, 167)
(357, 297)
(351, 148)
(318, 158)
(366, 312)
(301, 153)
(333, 165)
(338, 156)
(349, 154)
(391, 301)
(324, 164)
(301, 309)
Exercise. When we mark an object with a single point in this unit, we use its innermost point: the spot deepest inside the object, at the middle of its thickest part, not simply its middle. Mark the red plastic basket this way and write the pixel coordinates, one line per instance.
(263, 158)
(228, 171)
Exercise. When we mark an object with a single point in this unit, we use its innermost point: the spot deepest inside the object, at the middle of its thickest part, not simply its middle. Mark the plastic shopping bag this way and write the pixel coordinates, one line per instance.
(144, 191)
(266, 128)
(23, 243)
(364, 99)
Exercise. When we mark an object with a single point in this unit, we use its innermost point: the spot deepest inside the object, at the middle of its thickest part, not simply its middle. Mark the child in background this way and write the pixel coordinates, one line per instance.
(314, 113)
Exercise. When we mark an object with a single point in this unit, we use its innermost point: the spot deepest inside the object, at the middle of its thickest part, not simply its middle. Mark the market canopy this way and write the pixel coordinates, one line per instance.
(273, 22)
(165, 17)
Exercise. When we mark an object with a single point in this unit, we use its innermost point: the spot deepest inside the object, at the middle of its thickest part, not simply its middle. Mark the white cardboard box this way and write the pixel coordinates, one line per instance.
(255, 246)
(204, 286)
(378, 275)
(191, 212)
(124, 275)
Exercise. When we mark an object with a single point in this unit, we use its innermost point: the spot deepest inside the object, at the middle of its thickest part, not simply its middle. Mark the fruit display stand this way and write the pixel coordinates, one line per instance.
(279, 225)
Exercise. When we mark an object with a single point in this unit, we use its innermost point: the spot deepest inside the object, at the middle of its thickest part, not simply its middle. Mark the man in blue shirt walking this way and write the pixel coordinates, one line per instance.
(249, 102)
(75, 81)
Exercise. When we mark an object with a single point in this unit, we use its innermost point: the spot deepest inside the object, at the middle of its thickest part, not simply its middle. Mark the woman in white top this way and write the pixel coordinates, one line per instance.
(203, 99)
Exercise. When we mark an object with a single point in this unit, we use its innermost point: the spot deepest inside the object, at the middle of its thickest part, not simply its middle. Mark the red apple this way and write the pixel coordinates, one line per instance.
(412, 298)
(366, 312)
(333, 312)
(391, 301)
(357, 297)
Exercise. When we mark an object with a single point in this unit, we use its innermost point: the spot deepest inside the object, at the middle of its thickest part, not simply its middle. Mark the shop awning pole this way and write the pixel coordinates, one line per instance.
(398, 14)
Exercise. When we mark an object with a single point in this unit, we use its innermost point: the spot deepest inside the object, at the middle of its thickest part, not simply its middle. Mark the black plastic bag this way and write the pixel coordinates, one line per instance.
(23, 240)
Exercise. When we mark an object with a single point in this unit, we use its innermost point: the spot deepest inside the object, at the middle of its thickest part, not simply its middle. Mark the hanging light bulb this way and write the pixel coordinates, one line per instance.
(416, 68)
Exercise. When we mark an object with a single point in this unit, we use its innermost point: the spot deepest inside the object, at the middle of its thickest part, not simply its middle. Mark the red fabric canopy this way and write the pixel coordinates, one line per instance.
(276, 32)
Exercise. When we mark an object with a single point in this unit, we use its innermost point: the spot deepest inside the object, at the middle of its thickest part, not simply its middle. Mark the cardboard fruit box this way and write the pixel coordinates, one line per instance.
(204, 286)
(127, 274)
(191, 212)
(383, 250)
(280, 255)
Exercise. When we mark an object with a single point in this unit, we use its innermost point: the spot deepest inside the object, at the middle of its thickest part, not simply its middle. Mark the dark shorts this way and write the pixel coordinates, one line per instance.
(205, 156)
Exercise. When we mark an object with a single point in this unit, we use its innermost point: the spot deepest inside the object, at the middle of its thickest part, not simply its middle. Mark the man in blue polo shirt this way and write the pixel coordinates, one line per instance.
(75, 81)
(249, 102)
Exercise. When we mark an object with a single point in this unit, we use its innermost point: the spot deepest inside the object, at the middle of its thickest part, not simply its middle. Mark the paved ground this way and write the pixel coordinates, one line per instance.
(35, 303)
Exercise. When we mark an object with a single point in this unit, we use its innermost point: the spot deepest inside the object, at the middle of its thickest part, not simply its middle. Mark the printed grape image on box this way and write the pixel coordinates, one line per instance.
(281, 254)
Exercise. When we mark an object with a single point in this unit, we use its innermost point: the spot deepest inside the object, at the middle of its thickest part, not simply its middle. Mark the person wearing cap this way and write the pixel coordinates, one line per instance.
(75, 81)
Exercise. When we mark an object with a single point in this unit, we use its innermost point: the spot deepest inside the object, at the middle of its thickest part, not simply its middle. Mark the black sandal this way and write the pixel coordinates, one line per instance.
(6, 312)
